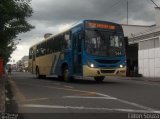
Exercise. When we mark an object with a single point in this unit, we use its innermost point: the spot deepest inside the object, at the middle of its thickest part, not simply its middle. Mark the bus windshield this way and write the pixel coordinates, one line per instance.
(103, 43)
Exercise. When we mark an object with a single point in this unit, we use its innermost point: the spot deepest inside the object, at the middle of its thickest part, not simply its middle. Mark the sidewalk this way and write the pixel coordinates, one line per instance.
(136, 78)
(145, 79)
(2, 94)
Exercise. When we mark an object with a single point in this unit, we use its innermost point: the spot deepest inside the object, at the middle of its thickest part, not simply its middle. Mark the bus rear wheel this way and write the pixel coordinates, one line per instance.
(99, 78)
(38, 74)
(65, 74)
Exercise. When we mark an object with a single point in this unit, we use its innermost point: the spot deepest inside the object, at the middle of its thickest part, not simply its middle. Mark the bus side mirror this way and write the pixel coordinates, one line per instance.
(126, 42)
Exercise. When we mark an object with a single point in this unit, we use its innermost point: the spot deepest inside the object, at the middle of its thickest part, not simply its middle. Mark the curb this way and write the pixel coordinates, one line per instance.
(136, 78)
(145, 79)
(2, 94)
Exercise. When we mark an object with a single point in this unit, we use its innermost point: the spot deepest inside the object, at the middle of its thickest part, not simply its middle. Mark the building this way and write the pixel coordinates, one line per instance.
(144, 43)
(24, 62)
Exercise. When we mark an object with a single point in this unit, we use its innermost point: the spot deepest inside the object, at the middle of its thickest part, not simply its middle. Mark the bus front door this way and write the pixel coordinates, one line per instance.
(77, 53)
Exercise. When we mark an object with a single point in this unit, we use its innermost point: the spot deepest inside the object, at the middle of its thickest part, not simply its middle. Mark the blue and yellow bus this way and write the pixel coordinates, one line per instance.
(90, 48)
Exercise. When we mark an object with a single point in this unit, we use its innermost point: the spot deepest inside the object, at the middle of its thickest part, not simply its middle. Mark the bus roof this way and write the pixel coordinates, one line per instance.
(74, 25)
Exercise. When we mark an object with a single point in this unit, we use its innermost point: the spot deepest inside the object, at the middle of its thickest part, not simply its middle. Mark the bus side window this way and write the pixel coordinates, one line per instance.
(47, 48)
(38, 50)
(43, 48)
(34, 55)
(64, 43)
(50, 45)
(56, 44)
(60, 39)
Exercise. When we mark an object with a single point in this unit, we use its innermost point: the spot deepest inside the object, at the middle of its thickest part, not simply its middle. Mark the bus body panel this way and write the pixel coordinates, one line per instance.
(59, 63)
(55, 60)
(93, 72)
(44, 67)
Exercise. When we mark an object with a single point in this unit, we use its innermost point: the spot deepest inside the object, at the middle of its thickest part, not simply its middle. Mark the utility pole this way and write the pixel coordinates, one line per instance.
(155, 3)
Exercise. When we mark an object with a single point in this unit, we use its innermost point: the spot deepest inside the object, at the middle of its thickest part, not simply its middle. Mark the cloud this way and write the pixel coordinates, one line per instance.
(54, 12)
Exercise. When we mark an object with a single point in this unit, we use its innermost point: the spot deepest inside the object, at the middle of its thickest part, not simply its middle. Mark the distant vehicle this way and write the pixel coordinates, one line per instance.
(90, 48)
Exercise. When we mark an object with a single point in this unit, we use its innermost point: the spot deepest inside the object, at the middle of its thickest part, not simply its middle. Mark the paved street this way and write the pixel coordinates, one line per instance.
(117, 96)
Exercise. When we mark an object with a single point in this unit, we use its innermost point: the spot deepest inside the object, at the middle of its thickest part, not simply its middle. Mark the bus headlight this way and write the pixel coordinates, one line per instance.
(121, 66)
(91, 64)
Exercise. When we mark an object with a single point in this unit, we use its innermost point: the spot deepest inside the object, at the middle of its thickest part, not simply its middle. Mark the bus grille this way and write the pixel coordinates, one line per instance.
(107, 71)
(107, 61)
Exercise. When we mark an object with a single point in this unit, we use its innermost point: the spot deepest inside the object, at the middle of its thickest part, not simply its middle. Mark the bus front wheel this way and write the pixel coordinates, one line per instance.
(99, 78)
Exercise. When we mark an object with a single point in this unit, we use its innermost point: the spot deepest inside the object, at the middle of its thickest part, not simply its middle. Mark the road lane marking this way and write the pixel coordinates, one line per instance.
(86, 108)
(104, 95)
(135, 104)
(68, 86)
(96, 93)
(85, 94)
(113, 98)
(73, 90)
(58, 88)
(16, 91)
(128, 102)
(88, 97)
(20, 95)
(35, 99)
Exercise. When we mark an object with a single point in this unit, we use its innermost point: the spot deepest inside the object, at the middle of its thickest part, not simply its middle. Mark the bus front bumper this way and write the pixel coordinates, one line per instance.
(92, 72)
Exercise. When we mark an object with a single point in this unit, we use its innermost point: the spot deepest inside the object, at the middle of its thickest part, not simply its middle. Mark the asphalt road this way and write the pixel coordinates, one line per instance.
(85, 98)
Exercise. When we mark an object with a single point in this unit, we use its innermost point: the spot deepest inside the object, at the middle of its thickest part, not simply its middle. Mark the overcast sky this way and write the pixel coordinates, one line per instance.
(52, 16)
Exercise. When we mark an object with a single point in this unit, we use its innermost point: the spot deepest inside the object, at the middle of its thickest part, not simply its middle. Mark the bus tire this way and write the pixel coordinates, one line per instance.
(65, 74)
(99, 78)
(43, 76)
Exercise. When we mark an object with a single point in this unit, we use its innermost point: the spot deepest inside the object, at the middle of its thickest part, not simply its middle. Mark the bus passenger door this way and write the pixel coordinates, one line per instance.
(77, 53)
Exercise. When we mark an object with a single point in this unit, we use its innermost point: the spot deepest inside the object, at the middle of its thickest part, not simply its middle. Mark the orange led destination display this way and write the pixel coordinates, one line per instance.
(100, 25)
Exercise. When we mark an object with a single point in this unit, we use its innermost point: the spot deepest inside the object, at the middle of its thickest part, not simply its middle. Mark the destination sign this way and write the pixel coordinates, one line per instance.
(100, 25)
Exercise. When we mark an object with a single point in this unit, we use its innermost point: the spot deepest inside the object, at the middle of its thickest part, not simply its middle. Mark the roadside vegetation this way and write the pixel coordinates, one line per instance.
(13, 21)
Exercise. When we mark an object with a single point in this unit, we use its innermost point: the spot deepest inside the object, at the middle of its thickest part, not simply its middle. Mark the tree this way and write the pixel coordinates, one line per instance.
(13, 20)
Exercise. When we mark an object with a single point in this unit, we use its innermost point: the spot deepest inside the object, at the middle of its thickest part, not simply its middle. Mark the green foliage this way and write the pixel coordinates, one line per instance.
(13, 20)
